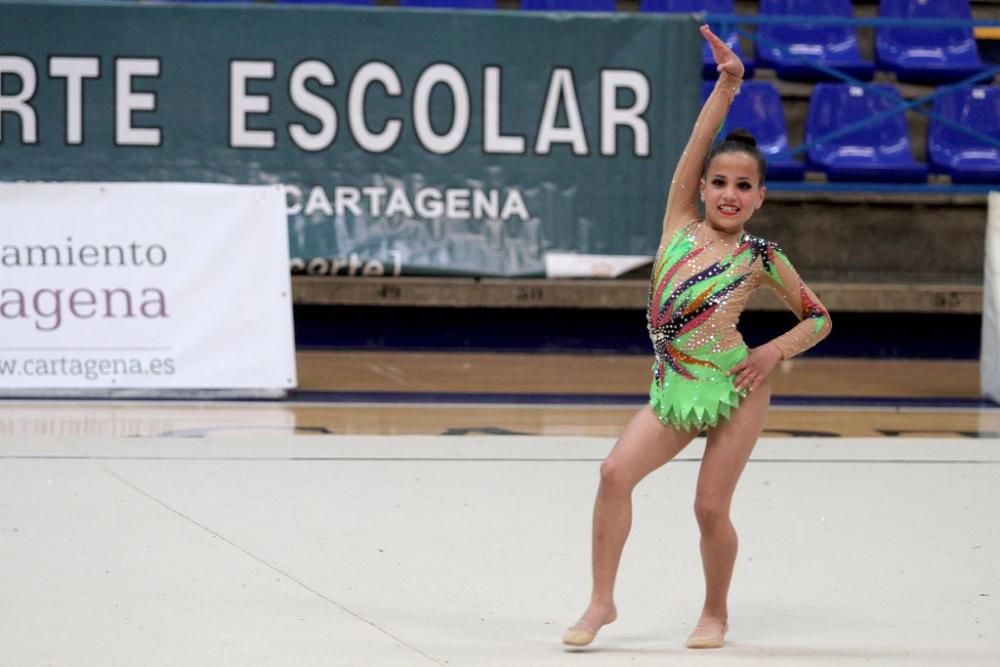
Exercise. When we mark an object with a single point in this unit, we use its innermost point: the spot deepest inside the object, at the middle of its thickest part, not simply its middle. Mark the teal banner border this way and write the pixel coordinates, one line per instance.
(307, 96)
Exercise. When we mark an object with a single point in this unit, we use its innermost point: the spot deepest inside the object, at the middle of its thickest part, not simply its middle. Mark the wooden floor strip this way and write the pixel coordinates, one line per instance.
(615, 374)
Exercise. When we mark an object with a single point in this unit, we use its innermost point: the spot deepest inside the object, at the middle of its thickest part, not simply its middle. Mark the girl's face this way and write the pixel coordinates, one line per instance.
(731, 191)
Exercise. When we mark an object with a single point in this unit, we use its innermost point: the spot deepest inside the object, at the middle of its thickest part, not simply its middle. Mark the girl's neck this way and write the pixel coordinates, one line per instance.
(725, 236)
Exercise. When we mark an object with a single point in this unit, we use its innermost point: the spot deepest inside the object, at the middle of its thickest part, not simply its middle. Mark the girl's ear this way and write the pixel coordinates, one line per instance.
(760, 198)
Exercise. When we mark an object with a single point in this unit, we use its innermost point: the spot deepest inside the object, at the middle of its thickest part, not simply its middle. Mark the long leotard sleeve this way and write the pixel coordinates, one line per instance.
(814, 324)
(682, 199)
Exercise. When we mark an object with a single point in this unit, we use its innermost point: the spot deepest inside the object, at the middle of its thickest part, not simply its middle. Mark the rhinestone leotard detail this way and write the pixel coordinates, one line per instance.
(699, 287)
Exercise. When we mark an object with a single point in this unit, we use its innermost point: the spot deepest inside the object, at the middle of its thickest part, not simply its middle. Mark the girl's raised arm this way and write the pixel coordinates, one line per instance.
(682, 200)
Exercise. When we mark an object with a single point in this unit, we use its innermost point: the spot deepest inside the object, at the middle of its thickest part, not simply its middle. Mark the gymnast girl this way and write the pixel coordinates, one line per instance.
(705, 378)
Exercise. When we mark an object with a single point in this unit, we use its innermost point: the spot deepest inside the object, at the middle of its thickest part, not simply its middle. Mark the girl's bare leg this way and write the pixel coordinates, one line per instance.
(726, 454)
(644, 446)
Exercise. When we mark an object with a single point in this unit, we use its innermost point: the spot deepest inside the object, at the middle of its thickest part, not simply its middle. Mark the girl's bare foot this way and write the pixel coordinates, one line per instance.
(710, 633)
(584, 631)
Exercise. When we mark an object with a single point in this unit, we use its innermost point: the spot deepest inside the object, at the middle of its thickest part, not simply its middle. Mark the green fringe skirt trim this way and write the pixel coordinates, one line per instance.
(687, 404)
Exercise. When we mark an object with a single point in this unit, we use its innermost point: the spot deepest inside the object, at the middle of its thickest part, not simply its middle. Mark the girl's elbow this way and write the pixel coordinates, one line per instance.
(826, 328)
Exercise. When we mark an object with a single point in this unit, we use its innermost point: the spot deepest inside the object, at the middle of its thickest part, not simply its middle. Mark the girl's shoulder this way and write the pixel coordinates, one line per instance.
(762, 255)
(680, 234)
(760, 243)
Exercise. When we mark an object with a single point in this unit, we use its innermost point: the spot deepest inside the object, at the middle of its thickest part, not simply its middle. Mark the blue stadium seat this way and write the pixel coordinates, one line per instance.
(758, 109)
(569, 5)
(879, 152)
(831, 45)
(455, 4)
(731, 37)
(927, 55)
(951, 151)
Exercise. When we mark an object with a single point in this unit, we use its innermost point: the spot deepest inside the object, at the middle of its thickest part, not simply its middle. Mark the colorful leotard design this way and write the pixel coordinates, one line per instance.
(700, 286)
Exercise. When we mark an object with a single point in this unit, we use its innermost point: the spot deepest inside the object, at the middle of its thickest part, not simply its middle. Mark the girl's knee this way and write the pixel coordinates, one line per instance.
(710, 512)
(615, 476)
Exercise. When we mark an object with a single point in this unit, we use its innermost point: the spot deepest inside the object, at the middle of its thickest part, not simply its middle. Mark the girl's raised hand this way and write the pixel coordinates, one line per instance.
(725, 60)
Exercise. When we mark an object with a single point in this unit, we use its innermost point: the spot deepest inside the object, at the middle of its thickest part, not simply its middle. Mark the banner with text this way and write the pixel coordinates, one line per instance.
(128, 285)
(410, 141)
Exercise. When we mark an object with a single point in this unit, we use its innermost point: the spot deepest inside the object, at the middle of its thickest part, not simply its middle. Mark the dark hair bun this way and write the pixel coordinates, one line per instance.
(743, 137)
(738, 141)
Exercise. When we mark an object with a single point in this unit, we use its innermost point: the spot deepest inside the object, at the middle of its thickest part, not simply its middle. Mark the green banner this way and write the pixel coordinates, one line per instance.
(410, 141)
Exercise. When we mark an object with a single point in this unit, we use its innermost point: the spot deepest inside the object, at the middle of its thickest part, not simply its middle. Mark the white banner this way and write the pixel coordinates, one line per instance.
(144, 285)
(573, 265)
(989, 356)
